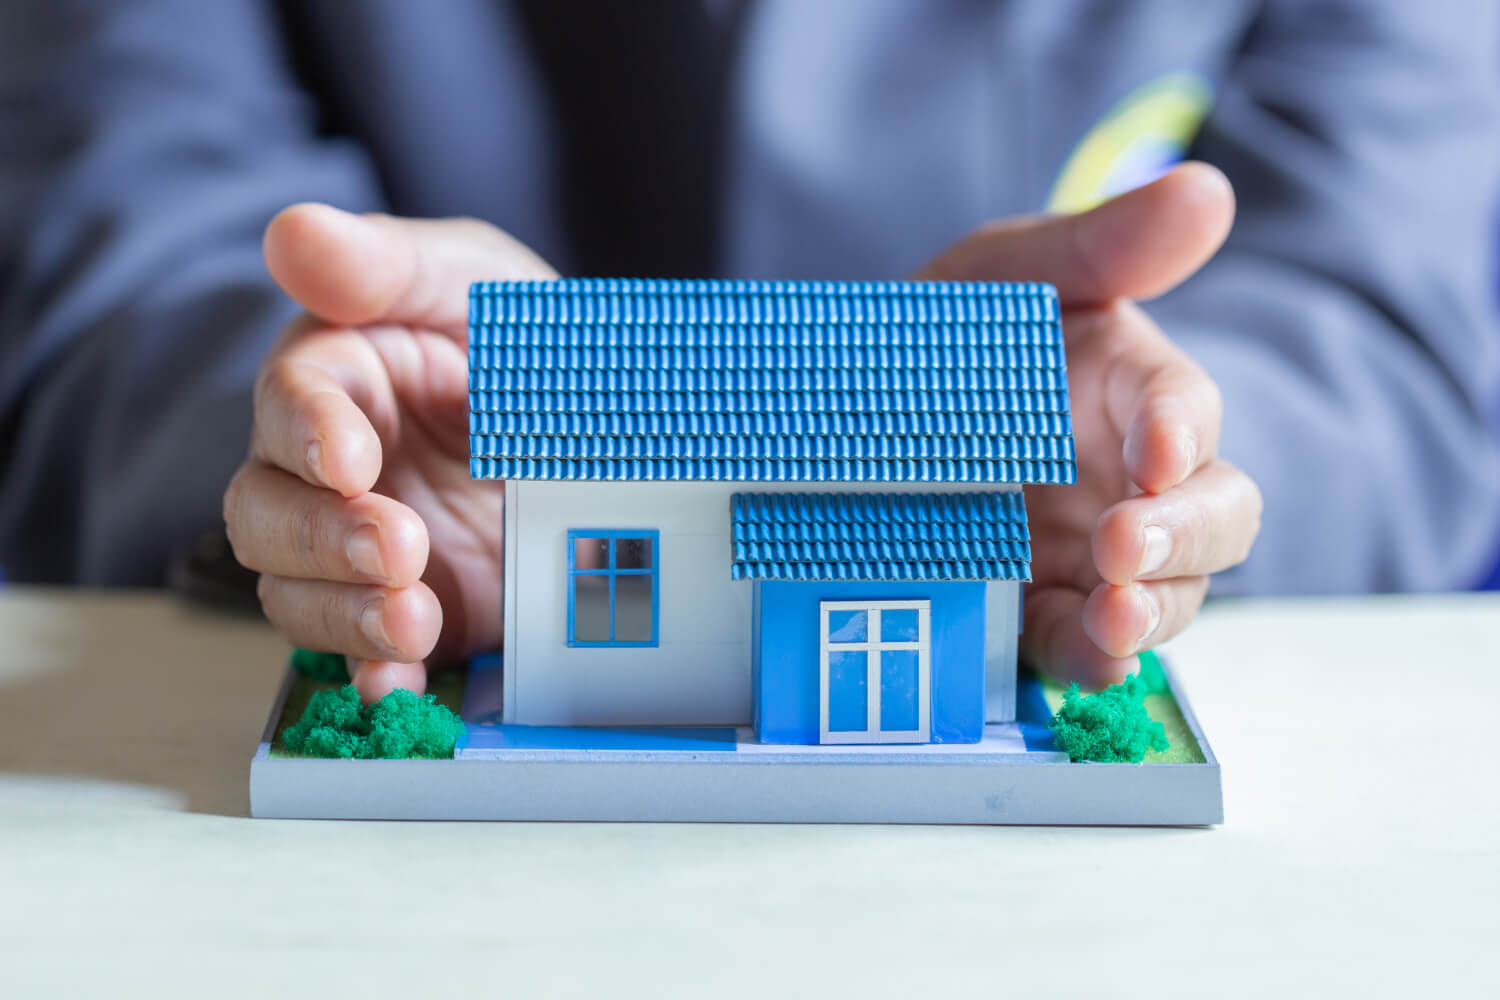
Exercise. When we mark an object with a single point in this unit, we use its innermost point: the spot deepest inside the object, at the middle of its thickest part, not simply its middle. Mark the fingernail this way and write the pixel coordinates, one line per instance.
(363, 550)
(315, 459)
(1153, 618)
(372, 624)
(1156, 548)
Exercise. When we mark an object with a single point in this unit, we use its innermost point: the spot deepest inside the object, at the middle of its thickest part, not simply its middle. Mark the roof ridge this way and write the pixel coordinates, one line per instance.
(759, 286)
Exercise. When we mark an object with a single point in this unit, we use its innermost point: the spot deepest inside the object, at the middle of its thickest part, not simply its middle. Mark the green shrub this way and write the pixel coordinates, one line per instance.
(1111, 726)
(401, 724)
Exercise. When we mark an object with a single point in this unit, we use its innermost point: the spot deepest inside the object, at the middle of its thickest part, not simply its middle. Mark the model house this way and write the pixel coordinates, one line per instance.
(789, 504)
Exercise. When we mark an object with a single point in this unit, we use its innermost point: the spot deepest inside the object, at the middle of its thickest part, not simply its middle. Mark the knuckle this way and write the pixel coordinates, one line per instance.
(271, 378)
(332, 615)
(1125, 527)
(1198, 530)
(275, 385)
(309, 528)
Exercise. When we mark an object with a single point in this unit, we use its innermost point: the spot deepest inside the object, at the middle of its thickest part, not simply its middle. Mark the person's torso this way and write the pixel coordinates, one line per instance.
(862, 136)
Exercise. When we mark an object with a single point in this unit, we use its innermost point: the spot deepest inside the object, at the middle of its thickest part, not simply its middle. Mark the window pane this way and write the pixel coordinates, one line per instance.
(590, 608)
(898, 689)
(590, 553)
(633, 608)
(847, 694)
(898, 625)
(847, 626)
(632, 553)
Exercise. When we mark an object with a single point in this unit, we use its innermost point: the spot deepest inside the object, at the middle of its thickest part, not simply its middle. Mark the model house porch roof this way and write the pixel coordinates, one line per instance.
(879, 536)
(768, 381)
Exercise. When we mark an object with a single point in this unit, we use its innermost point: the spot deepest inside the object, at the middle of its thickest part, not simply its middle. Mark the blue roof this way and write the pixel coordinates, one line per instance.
(768, 381)
(880, 536)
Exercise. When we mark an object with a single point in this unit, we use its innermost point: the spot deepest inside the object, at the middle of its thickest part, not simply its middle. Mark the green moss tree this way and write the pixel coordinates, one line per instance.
(1111, 725)
(400, 725)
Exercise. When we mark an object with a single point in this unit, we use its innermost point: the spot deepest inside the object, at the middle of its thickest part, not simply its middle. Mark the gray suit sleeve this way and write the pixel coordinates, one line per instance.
(143, 148)
(1348, 319)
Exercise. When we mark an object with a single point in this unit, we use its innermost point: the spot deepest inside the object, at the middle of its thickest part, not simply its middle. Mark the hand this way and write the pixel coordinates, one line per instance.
(355, 504)
(1121, 560)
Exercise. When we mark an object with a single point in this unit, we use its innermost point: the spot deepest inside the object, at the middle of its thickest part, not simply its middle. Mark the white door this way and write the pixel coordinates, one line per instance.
(874, 671)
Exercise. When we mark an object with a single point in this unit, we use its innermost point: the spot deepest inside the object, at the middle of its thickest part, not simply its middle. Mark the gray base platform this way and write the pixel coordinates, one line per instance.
(729, 778)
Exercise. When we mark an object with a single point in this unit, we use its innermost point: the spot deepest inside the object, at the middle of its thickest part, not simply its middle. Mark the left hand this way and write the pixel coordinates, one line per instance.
(1121, 561)
(355, 503)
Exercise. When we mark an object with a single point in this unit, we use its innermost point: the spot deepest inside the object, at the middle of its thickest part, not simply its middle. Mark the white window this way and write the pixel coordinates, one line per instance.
(874, 672)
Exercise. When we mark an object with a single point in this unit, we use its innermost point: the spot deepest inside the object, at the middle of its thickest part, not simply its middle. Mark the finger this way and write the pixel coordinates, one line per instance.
(357, 269)
(280, 525)
(307, 420)
(1054, 639)
(366, 622)
(1137, 245)
(1203, 526)
(1062, 553)
(1166, 408)
(374, 679)
(429, 374)
(1157, 400)
(1122, 621)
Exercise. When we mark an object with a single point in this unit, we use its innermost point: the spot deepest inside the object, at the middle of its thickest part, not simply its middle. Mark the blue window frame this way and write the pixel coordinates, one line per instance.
(613, 587)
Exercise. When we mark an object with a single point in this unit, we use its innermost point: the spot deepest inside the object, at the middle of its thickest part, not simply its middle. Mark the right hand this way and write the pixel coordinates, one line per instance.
(355, 504)
(1146, 421)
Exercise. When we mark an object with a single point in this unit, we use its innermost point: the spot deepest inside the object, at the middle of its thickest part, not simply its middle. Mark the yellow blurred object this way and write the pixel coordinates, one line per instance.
(1142, 136)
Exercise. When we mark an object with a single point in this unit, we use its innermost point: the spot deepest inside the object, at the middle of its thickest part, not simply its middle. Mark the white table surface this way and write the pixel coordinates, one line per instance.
(1361, 854)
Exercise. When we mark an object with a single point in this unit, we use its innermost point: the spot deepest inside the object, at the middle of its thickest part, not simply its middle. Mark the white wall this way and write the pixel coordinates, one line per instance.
(700, 674)
(1002, 626)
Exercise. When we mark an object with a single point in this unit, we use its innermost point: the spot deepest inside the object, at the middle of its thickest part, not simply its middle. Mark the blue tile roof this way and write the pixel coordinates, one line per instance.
(880, 536)
(768, 381)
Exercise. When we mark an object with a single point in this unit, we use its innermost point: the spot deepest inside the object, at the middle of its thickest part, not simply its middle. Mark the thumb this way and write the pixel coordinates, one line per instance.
(357, 269)
(1137, 245)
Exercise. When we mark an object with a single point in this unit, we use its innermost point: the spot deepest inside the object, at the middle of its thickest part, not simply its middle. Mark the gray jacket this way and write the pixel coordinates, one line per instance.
(144, 145)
